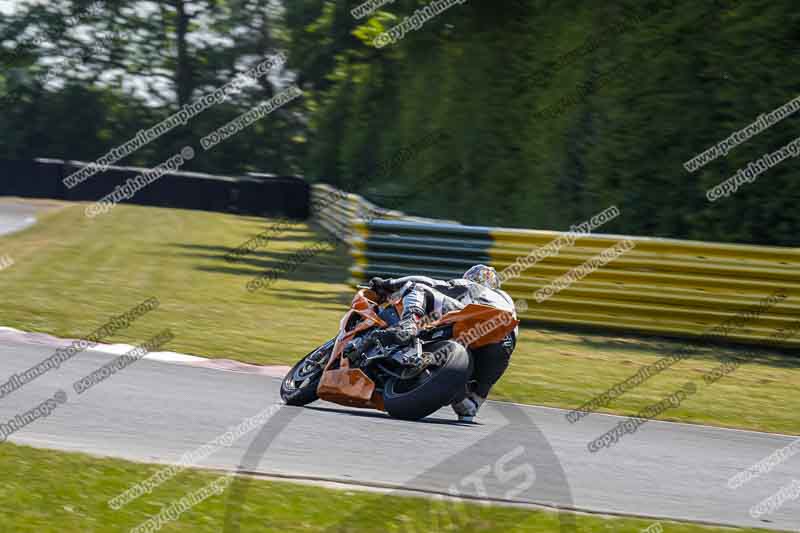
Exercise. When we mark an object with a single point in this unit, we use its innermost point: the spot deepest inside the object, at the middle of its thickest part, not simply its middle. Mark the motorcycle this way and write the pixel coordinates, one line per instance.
(409, 381)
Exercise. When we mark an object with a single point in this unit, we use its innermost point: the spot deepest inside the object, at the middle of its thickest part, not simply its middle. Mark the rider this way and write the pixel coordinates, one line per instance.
(427, 297)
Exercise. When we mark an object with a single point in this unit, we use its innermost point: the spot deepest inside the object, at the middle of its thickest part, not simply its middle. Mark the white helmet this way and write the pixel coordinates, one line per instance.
(483, 275)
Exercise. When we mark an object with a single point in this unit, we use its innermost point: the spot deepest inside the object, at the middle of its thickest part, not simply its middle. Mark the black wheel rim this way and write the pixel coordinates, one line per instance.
(309, 368)
(404, 386)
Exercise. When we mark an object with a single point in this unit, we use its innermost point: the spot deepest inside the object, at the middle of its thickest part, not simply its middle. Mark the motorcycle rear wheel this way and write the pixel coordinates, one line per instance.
(299, 387)
(416, 398)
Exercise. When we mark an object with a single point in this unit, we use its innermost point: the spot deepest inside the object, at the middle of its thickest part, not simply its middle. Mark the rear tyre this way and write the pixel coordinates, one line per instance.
(416, 398)
(299, 387)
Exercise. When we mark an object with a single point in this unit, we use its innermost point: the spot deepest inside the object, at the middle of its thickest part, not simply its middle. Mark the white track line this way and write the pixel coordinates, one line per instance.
(12, 335)
(277, 371)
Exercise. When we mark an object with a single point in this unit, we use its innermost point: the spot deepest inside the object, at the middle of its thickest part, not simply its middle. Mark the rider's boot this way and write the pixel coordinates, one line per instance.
(467, 408)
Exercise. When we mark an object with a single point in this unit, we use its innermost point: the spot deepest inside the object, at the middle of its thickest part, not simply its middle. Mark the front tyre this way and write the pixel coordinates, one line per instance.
(299, 387)
(437, 386)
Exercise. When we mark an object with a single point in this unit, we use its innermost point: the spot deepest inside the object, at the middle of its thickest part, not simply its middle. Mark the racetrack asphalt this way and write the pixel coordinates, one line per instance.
(154, 411)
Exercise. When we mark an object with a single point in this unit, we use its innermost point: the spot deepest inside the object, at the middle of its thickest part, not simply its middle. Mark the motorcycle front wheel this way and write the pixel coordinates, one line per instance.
(299, 387)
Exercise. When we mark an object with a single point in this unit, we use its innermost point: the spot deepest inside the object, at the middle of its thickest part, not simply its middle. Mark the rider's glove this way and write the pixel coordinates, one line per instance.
(400, 335)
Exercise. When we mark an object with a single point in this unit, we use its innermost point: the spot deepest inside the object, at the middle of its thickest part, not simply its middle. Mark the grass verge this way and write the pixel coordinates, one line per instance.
(72, 273)
(46, 491)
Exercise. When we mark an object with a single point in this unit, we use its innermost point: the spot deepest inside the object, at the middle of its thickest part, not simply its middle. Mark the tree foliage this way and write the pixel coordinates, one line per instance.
(557, 112)
(550, 113)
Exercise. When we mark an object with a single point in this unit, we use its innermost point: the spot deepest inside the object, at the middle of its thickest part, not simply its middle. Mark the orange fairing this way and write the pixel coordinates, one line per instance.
(364, 299)
(474, 326)
(349, 386)
(340, 383)
(479, 325)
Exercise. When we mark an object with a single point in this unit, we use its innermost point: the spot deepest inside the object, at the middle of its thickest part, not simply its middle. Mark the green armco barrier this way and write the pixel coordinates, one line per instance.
(658, 286)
